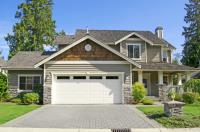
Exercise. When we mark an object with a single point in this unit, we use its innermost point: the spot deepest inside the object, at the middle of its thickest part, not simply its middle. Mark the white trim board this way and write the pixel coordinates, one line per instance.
(81, 40)
(87, 62)
(136, 34)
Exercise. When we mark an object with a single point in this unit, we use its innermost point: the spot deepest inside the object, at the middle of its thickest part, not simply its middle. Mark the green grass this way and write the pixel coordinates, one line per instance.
(190, 117)
(9, 111)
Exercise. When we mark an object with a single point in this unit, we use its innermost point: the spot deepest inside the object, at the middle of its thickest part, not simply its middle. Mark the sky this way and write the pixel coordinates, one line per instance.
(106, 14)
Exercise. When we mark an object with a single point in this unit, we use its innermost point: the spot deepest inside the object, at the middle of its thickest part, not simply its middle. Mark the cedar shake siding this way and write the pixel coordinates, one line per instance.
(78, 52)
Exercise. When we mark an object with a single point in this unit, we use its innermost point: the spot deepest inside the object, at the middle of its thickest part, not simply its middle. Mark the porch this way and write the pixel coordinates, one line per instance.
(161, 78)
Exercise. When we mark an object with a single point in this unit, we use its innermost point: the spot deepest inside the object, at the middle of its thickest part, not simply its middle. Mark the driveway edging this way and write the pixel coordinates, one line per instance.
(152, 122)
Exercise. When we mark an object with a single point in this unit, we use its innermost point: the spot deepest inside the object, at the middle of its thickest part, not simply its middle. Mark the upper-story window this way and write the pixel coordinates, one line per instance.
(134, 51)
(165, 56)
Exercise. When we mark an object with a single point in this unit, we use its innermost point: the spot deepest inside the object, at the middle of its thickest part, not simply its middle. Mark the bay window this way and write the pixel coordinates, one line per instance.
(134, 51)
(29, 82)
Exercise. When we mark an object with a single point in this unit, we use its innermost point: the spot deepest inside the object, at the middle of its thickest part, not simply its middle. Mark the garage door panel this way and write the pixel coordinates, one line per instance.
(87, 91)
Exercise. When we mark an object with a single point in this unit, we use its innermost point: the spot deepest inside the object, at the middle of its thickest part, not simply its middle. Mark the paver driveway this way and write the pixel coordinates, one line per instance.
(82, 116)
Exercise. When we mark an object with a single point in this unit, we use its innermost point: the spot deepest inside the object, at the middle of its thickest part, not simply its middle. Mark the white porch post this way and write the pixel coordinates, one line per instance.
(188, 76)
(160, 77)
(179, 79)
(140, 77)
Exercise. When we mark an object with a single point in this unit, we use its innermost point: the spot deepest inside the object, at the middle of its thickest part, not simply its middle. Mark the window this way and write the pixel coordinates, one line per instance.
(165, 56)
(95, 77)
(63, 77)
(79, 77)
(29, 82)
(134, 51)
(112, 77)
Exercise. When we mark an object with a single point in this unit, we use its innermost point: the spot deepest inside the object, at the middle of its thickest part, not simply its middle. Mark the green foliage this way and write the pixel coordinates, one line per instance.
(139, 92)
(16, 100)
(147, 101)
(3, 86)
(191, 50)
(30, 98)
(175, 96)
(192, 85)
(178, 97)
(34, 28)
(189, 97)
(39, 89)
(189, 119)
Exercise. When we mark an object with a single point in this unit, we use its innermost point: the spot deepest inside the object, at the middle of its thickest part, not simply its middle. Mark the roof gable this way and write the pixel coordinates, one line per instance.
(81, 40)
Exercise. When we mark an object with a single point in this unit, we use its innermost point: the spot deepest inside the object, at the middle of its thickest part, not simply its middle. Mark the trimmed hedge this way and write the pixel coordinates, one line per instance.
(30, 98)
(147, 101)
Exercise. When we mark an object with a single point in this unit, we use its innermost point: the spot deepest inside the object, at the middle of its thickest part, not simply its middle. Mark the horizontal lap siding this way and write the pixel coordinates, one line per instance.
(90, 68)
(13, 78)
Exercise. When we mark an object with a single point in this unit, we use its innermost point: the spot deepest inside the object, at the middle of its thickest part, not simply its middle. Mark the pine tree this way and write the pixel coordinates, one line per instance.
(34, 28)
(191, 51)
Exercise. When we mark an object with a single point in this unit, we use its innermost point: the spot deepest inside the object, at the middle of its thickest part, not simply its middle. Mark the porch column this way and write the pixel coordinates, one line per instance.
(140, 77)
(188, 76)
(179, 79)
(160, 77)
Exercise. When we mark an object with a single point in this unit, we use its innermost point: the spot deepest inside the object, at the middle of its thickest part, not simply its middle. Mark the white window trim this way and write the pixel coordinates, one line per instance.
(140, 52)
(165, 50)
(27, 75)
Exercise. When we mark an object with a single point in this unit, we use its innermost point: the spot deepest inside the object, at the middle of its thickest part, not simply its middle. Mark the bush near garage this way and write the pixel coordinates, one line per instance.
(30, 98)
(138, 92)
(3, 87)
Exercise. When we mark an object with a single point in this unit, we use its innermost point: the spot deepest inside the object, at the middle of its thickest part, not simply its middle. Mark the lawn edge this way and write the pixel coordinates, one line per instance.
(152, 122)
(19, 117)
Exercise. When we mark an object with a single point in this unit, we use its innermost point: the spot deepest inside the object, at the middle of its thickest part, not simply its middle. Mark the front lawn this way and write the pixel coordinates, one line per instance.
(190, 117)
(9, 111)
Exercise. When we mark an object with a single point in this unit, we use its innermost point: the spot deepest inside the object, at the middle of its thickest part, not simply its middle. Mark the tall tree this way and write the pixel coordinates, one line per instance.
(34, 28)
(191, 51)
(61, 33)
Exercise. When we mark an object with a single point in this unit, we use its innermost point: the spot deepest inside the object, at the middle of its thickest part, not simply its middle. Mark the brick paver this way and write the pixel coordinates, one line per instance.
(82, 116)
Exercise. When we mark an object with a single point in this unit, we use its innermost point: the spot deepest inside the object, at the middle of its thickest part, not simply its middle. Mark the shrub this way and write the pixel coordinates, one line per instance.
(3, 86)
(189, 97)
(16, 100)
(192, 85)
(30, 98)
(147, 101)
(178, 97)
(139, 92)
(39, 89)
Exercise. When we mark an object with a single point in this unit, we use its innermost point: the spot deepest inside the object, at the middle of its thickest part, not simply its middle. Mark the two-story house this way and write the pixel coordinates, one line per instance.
(97, 67)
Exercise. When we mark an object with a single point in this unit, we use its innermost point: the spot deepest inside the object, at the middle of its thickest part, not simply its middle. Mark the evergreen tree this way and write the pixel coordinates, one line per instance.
(62, 33)
(34, 28)
(191, 51)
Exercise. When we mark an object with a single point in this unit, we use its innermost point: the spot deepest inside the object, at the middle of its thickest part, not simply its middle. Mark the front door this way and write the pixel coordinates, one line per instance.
(147, 82)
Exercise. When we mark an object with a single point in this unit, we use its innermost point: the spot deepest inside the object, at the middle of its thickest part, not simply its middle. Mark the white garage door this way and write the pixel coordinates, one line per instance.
(80, 89)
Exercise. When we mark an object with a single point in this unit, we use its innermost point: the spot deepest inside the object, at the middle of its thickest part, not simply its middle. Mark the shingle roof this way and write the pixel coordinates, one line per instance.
(110, 36)
(2, 62)
(166, 67)
(26, 59)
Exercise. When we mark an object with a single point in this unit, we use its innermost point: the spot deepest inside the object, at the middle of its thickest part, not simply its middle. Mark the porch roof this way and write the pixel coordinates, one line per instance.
(164, 67)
